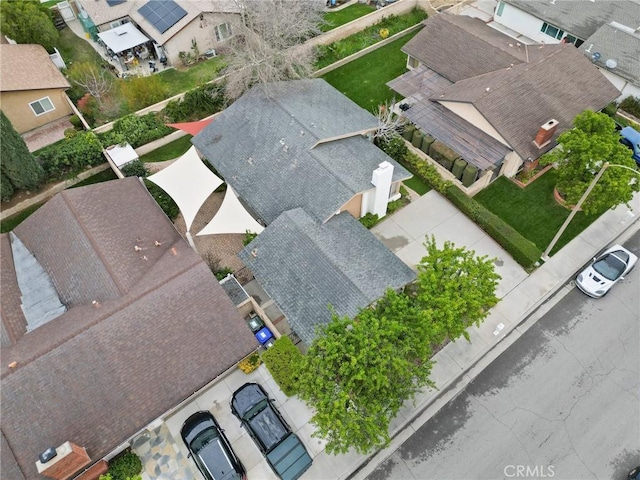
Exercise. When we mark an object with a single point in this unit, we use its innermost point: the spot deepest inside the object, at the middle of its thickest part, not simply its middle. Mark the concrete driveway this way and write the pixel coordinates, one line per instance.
(431, 214)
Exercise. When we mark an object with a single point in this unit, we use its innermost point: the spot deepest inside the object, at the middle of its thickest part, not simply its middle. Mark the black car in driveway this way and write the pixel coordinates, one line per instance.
(284, 451)
(210, 449)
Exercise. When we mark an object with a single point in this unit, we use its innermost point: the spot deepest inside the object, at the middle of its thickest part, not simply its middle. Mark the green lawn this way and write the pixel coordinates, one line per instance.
(185, 79)
(533, 211)
(417, 185)
(74, 49)
(12, 222)
(169, 151)
(99, 177)
(364, 79)
(346, 15)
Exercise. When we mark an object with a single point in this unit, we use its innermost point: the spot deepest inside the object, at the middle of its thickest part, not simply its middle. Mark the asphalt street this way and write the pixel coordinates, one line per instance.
(562, 402)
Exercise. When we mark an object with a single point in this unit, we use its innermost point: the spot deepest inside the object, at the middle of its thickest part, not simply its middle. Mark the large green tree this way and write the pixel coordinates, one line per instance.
(454, 289)
(16, 162)
(358, 373)
(27, 21)
(580, 154)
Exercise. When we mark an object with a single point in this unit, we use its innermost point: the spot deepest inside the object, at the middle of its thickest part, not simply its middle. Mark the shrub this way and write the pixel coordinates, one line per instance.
(163, 200)
(75, 121)
(631, 105)
(196, 104)
(135, 169)
(126, 465)
(442, 154)
(250, 363)
(140, 92)
(369, 220)
(6, 189)
(71, 156)
(283, 360)
(89, 108)
(395, 148)
(248, 237)
(222, 273)
(136, 130)
(610, 109)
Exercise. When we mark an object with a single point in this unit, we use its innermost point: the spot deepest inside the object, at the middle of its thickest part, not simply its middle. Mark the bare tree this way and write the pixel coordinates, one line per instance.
(268, 46)
(389, 123)
(94, 79)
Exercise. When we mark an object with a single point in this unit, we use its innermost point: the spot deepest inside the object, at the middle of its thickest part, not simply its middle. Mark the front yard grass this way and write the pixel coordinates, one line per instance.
(168, 152)
(533, 211)
(417, 185)
(363, 80)
(346, 15)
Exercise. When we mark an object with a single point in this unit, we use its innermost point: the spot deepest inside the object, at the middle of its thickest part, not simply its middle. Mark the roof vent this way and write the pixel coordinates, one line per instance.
(611, 63)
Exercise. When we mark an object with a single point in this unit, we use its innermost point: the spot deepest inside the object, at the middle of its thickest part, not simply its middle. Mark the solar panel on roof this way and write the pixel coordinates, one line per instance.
(162, 14)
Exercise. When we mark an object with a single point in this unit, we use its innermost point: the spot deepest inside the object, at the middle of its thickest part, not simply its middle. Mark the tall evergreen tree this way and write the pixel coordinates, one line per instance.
(6, 189)
(27, 21)
(16, 162)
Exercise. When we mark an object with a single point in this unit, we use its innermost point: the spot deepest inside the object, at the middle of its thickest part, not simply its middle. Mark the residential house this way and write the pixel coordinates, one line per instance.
(32, 89)
(300, 158)
(497, 103)
(607, 32)
(172, 26)
(109, 320)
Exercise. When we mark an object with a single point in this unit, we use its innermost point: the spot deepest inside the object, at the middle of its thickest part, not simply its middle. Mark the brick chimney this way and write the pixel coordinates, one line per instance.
(545, 133)
(68, 460)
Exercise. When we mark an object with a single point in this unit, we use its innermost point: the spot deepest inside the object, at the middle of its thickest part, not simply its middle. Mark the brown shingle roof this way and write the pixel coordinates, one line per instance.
(459, 47)
(559, 84)
(96, 375)
(28, 67)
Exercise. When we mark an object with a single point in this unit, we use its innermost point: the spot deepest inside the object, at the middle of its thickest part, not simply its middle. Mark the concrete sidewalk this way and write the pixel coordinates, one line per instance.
(459, 362)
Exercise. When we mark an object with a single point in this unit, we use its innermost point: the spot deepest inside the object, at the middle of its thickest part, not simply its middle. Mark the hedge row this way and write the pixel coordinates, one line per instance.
(282, 360)
(523, 251)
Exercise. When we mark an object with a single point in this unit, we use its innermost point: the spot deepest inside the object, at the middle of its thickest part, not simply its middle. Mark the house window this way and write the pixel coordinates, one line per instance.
(223, 31)
(42, 106)
(552, 31)
(500, 9)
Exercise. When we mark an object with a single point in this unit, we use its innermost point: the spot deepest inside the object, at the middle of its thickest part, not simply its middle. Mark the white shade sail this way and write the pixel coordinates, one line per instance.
(189, 182)
(123, 38)
(231, 218)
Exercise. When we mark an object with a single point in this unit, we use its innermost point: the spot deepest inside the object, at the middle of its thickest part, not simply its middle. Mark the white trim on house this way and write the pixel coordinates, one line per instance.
(44, 110)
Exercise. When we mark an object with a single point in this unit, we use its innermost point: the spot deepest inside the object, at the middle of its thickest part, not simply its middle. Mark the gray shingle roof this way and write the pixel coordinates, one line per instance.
(306, 266)
(582, 18)
(475, 50)
(261, 145)
(96, 375)
(615, 42)
(518, 100)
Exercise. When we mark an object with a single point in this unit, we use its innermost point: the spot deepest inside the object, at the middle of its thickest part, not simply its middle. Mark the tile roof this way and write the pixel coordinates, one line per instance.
(262, 146)
(307, 267)
(516, 101)
(98, 374)
(616, 42)
(28, 67)
(476, 49)
(582, 17)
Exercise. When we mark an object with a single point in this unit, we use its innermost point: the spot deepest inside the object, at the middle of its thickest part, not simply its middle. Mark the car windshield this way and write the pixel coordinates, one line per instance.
(610, 266)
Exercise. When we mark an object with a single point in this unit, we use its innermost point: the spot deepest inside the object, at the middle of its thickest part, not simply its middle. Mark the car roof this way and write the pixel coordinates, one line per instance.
(246, 397)
(631, 134)
(195, 424)
(216, 459)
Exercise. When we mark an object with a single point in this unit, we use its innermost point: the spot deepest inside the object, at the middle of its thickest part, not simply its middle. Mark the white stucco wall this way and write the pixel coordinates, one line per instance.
(474, 117)
(523, 23)
(626, 89)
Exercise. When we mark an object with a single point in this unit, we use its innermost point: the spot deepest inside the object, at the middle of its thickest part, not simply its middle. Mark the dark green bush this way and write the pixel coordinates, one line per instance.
(136, 131)
(222, 273)
(396, 148)
(416, 139)
(125, 465)
(6, 189)
(469, 175)
(443, 154)
(631, 105)
(369, 220)
(196, 104)
(458, 168)
(248, 237)
(610, 109)
(71, 156)
(282, 360)
(135, 169)
(408, 132)
(75, 121)
(427, 140)
(165, 202)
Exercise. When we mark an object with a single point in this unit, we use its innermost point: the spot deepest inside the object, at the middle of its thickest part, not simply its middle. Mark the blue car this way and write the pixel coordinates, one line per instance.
(631, 138)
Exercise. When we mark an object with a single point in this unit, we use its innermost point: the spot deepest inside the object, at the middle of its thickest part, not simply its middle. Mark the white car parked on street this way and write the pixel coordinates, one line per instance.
(605, 271)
